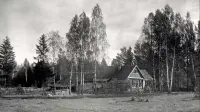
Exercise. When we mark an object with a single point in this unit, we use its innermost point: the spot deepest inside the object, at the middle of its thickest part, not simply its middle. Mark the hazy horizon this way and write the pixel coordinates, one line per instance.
(24, 21)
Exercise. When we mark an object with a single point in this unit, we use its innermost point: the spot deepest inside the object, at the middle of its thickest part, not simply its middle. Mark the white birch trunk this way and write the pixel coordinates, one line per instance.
(195, 77)
(167, 69)
(54, 82)
(172, 72)
(77, 88)
(70, 80)
(95, 70)
(83, 82)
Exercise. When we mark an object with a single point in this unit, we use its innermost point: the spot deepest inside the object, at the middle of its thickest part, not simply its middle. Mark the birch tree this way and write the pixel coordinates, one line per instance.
(170, 37)
(98, 37)
(55, 46)
(189, 41)
(84, 29)
(73, 46)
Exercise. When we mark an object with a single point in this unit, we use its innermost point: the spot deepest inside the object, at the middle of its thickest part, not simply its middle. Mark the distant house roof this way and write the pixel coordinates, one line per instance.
(102, 75)
(107, 72)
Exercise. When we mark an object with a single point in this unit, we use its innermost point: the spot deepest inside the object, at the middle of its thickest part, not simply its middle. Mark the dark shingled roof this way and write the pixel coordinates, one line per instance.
(145, 75)
(124, 72)
(106, 74)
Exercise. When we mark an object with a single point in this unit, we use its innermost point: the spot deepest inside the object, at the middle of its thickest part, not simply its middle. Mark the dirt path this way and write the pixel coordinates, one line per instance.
(162, 103)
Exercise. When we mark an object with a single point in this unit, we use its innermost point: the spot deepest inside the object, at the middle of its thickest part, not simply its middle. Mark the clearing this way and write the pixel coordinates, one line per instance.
(181, 102)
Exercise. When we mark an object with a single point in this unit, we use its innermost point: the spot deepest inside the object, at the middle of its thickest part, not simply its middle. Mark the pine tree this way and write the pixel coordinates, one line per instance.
(7, 58)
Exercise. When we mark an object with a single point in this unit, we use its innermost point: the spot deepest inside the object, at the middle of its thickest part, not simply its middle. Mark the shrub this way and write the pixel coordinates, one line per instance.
(147, 89)
(2, 91)
(138, 95)
(20, 90)
(197, 92)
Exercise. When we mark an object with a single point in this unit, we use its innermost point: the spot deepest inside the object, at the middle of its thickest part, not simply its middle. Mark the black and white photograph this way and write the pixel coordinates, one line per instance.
(99, 55)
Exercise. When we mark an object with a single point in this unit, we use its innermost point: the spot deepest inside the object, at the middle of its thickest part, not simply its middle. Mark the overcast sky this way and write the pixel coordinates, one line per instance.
(24, 21)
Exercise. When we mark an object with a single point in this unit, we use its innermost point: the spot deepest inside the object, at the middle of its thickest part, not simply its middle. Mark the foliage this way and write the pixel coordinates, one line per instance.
(2, 91)
(7, 57)
(42, 68)
(83, 31)
(168, 45)
(42, 49)
(20, 90)
(124, 58)
(42, 72)
(98, 41)
(24, 76)
(55, 45)
(63, 67)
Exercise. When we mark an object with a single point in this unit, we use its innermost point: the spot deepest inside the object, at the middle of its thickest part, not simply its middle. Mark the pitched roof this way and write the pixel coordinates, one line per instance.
(124, 72)
(146, 75)
(105, 74)
(127, 72)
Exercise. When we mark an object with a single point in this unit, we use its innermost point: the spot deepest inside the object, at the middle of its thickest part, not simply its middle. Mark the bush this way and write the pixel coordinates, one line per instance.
(197, 92)
(2, 91)
(147, 89)
(20, 90)
(138, 95)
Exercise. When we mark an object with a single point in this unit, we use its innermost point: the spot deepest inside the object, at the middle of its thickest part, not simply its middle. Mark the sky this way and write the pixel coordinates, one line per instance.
(24, 21)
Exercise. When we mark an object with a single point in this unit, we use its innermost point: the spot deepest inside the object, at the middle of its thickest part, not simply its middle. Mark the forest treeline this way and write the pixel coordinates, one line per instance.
(80, 51)
(168, 44)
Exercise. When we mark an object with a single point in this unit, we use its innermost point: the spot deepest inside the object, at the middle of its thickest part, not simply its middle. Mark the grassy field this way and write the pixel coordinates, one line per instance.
(182, 102)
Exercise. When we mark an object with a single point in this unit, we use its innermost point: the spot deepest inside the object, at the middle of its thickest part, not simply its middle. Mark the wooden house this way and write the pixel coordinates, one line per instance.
(102, 77)
(134, 75)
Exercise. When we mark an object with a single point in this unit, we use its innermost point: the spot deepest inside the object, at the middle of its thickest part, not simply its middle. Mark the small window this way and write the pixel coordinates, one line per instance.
(135, 71)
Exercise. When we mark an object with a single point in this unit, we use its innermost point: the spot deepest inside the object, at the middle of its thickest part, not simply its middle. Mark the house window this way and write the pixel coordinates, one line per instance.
(135, 70)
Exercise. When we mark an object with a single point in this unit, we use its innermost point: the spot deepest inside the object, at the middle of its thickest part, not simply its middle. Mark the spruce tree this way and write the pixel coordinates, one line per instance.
(42, 68)
(7, 57)
(42, 49)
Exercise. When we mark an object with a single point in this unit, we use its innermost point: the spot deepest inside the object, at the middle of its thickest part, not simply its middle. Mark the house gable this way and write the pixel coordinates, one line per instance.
(135, 73)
